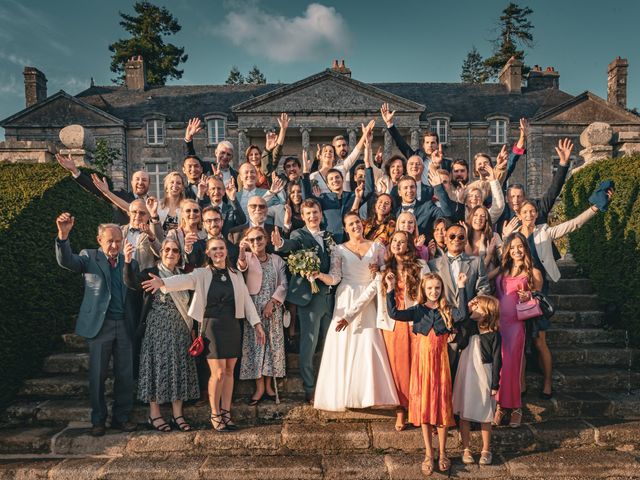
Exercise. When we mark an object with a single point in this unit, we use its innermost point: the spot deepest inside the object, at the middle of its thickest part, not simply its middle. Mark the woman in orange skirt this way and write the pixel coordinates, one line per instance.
(401, 260)
(430, 388)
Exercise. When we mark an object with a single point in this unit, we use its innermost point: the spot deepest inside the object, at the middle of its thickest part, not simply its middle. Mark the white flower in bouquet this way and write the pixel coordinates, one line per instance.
(304, 263)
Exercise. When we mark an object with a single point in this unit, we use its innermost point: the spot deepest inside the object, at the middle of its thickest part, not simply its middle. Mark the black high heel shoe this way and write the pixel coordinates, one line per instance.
(218, 423)
(226, 418)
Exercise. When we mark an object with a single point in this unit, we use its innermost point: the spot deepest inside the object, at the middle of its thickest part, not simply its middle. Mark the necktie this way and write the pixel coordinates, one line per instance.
(112, 261)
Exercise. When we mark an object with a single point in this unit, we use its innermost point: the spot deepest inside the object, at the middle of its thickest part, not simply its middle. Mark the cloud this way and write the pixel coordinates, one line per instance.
(276, 37)
(16, 60)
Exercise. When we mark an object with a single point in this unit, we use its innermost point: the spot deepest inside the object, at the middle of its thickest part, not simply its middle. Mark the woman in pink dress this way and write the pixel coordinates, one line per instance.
(515, 281)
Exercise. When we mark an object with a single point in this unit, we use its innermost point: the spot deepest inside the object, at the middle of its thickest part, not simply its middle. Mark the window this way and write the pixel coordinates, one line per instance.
(555, 163)
(215, 129)
(157, 172)
(498, 131)
(441, 127)
(155, 132)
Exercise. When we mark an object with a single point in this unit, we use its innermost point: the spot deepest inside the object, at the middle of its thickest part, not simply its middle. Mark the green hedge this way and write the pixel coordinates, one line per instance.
(38, 298)
(607, 248)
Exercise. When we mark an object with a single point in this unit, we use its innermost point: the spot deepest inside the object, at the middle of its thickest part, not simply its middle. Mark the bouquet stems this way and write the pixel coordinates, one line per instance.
(314, 286)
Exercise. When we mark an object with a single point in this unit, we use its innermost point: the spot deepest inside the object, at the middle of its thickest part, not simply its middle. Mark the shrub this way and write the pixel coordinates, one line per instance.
(607, 247)
(38, 298)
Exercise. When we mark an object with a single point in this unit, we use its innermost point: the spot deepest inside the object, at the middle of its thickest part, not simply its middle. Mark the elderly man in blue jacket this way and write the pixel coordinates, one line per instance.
(103, 320)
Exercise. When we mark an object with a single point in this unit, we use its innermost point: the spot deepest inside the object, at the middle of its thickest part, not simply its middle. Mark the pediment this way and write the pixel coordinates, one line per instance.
(60, 110)
(327, 92)
(586, 108)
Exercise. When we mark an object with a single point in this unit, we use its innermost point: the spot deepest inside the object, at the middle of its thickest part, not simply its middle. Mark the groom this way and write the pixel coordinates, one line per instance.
(314, 310)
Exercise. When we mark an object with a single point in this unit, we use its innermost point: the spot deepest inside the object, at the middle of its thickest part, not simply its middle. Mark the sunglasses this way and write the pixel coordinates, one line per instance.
(259, 238)
(460, 236)
(258, 207)
(192, 210)
(171, 250)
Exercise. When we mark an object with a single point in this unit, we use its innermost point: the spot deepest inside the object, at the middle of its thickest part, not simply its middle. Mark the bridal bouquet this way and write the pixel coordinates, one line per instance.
(303, 263)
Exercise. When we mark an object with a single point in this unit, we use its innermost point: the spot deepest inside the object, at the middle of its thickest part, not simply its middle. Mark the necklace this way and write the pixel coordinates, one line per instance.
(223, 277)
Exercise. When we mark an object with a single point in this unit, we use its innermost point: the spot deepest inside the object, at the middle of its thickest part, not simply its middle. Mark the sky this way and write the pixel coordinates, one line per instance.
(381, 41)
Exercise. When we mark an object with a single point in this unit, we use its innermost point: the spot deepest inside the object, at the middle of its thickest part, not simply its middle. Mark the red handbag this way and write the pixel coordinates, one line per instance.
(529, 309)
(197, 347)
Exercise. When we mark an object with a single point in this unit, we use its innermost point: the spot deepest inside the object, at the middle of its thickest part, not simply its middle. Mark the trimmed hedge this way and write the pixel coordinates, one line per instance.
(37, 297)
(607, 248)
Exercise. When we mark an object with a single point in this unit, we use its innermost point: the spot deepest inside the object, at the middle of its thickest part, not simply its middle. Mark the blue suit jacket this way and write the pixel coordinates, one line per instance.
(94, 266)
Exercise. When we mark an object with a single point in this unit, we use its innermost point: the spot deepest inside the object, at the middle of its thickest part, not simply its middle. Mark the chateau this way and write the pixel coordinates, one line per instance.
(146, 124)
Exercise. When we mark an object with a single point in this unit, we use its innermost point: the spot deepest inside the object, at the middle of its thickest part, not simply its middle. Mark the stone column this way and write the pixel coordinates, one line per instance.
(596, 139)
(415, 137)
(388, 144)
(79, 143)
(306, 134)
(535, 157)
(243, 143)
(353, 138)
(628, 143)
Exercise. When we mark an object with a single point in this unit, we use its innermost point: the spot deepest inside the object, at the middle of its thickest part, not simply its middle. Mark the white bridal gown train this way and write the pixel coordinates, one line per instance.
(355, 371)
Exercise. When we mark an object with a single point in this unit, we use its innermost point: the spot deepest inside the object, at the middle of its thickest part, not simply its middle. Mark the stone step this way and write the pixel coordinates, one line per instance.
(575, 303)
(311, 438)
(67, 362)
(571, 286)
(74, 343)
(580, 379)
(562, 337)
(569, 269)
(595, 356)
(583, 319)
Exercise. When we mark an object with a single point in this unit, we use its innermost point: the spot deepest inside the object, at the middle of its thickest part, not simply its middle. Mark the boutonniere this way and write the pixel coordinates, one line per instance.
(329, 242)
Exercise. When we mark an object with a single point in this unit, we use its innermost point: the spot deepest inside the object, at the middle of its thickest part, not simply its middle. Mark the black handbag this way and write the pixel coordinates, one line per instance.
(545, 305)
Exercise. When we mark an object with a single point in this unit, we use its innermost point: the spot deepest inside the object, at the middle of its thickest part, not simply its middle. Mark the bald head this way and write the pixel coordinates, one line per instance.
(140, 183)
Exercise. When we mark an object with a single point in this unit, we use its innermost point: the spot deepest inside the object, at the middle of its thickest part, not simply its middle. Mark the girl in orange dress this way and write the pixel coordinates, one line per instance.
(399, 339)
(430, 388)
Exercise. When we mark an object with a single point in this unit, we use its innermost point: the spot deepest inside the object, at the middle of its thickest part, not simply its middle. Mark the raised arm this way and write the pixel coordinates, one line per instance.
(64, 256)
(193, 126)
(497, 197)
(102, 185)
(387, 117)
(517, 150)
(563, 150)
(408, 315)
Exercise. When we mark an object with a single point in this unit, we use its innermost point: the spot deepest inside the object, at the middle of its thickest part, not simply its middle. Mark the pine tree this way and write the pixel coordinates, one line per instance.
(515, 30)
(473, 68)
(147, 28)
(235, 77)
(255, 76)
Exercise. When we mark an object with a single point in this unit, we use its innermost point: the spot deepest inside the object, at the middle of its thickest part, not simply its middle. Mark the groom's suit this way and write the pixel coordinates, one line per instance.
(314, 310)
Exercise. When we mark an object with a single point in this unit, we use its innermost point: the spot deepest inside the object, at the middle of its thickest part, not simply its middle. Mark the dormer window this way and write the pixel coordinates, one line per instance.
(498, 131)
(155, 132)
(440, 126)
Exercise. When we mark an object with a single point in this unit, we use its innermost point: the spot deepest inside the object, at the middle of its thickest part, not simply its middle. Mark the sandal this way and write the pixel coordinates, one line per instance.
(444, 463)
(498, 417)
(427, 466)
(516, 418)
(163, 427)
(218, 423)
(182, 426)
(252, 402)
(467, 457)
(401, 425)
(226, 418)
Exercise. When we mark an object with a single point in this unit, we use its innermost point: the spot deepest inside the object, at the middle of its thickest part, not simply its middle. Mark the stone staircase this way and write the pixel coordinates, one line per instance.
(590, 429)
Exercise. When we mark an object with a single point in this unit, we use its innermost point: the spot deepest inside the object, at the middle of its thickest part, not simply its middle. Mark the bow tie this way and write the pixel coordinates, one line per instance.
(318, 234)
(407, 208)
(456, 258)
(135, 230)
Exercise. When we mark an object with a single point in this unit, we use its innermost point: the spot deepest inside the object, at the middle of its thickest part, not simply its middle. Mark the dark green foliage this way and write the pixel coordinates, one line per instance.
(235, 77)
(38, 298)
(147, 29)
(515, 30)
(607, 247)
(473, 68)
(104, 156)
(255, 76)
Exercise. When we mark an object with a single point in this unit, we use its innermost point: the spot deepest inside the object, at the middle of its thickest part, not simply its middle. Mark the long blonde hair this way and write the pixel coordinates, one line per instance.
(442, 305)
(167, 180)
(183, 217)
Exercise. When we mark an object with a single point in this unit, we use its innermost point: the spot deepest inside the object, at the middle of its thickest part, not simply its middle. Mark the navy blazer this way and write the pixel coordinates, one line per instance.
(407, 151)
(427, 212)
(207, 167)
(232, 214)
(94, 266)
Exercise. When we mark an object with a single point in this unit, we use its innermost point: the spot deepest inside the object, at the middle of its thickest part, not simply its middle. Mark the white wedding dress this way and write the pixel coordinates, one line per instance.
(355, 371)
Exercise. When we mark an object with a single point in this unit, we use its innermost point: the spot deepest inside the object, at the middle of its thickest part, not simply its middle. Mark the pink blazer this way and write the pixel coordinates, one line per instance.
(253, 276)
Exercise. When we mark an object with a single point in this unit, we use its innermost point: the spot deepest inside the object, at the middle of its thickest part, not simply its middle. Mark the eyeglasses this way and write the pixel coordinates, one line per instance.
(460, 236)
(171, 250)
(258, 207)
(191, 210)
(212, 220)
(138, 212)
(257, 239)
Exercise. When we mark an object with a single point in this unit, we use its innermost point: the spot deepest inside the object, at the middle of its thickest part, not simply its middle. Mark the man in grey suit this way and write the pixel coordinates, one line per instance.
(103, 320)
(144, 237)
(314, 310)
(448, 266)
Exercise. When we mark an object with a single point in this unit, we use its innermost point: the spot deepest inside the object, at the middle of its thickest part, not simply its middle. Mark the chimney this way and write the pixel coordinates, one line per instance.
(511, 75)
(341, 68)
(617, 82)
(537, 79)
(135, 74)
(35, 86)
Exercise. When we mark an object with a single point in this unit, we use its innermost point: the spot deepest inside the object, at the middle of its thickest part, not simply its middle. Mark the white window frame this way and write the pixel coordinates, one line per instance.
(219, 130)
(440, 125)
(498, 131)
(156, 135)
(156, 175)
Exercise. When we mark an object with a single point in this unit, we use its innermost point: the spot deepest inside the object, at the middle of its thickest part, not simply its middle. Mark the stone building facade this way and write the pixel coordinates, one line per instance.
(146, 124)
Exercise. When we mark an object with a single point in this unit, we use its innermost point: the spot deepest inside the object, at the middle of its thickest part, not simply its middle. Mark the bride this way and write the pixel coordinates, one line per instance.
(355, 371)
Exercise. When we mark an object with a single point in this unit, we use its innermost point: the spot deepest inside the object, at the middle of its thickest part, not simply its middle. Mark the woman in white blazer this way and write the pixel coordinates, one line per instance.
(267, 284)
(540, 239)
(220, 300)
